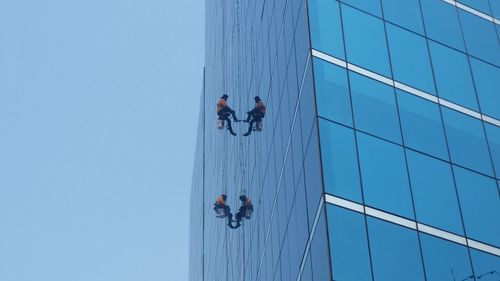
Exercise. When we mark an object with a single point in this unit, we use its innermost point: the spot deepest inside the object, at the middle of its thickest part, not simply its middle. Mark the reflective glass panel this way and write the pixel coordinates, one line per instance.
(422, 125)
(410, 59)
(486, 78)
(480, 204)
(365, 41)
(486, 266)
(384, 177)
(493, 134)
(319, 250)
(480, 37)
(332, 92)
(326, 31)
(340, 161)
(466, 141)
(374, 107)
(480, 5)
(442, 24)
(395, 252)
(348, 245)
(453, 76)
(369, 6)
(444, 260)
(434, 192)
(495, 6)
(404, 13)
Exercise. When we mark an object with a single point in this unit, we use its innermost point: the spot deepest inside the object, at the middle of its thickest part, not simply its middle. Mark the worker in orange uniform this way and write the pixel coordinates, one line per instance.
(245, 211)
(255, 116)
(224, 111)
(220, 206)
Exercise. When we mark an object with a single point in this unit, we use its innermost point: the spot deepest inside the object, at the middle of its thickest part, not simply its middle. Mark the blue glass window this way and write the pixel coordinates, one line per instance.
(493, 134)
(480, 204)
(332, 92)
(348, 245)
(442, 24)
(395, 252)
(480, 5)
(453, 76)
(374, 107)
(410, 59)
(319, 250)
(384, 177)
(422, 125)
(432, 184)
(480, 37)
(340, 161)
(365, 41)
(369, 6)
(404, 13)
(444, 260)
(487, 79)
(485, 266)
(466, 141)
(495, 6)
(326, 31)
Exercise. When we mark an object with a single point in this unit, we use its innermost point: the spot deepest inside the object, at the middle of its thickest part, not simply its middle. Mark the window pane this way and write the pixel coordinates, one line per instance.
(362, 30)
(395, 252)
(384, 177)
(422, 125)
(434, 192)
(374, 106)
(319, 250)
(410, 59)
(480, 5)
(340, 161)
(453, 76)
(480, 37)
(442, 24)
(326, 32)
(332, 92)
(466, 141)
(444, 260)
(493, 134)
(348, 245)
(369, 6)
(495, 6)
(485, 265)
(404, 13)
(487, 79)
(480, 204)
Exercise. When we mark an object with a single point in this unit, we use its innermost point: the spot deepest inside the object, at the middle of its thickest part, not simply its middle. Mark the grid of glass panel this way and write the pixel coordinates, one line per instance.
(389, 107)
(408, 95)
(259, 48)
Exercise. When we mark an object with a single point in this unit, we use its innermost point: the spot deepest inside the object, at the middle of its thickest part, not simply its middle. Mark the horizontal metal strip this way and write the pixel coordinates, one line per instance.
(359, 208)
(404, 87)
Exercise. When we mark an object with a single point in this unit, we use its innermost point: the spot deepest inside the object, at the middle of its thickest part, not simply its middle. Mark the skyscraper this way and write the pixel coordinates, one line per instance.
(380, 153)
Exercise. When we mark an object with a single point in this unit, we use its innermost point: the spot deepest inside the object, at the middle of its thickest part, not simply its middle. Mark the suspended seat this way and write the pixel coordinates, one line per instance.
(248, 213)
(258, 126)
(220, 124)
(220, 211)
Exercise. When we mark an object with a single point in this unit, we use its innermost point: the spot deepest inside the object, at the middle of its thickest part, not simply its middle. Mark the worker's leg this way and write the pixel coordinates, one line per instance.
(249, 116)
(234, 117)
(229, 217)
(229, 127)
(250, 127)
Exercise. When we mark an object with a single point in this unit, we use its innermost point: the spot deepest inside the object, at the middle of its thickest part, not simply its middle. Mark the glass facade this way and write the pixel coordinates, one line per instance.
(380, 153)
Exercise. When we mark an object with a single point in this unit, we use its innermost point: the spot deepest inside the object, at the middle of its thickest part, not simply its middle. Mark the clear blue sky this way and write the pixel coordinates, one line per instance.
(98, 114)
